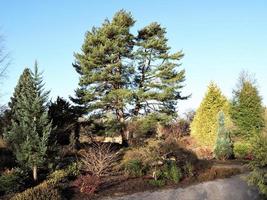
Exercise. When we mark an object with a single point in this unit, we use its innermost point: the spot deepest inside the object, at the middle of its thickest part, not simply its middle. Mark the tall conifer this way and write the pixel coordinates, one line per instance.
(158, 80)
(122, 76)
(247, 110)
(205, 125)
(30, 128)
(105, 69)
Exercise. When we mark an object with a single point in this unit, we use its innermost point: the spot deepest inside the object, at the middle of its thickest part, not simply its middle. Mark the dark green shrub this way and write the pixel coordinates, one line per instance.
(242, 149)
(172, 172)
(258, 165)
(46, 190)
(157, 183)
(12, 181)
(135, 168)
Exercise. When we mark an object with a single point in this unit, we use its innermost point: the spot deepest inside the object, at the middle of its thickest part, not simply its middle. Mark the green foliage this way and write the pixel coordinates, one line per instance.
(128, 76)
(135, 168)
(223, 147)
(43, 191)
(74, 169)
(258, 176)
(64, 116)
(188, 169)
(172, 172)
(205, 125)
(157, 183)
(57, 176)
(148, 154)
(12, 181)
(5, 119)
(104, 68)
(259, 149)
(146, 126)
(246, 110)
(242, 149)
(139, 160)
(30, 129)
(169, 171)
(158, 80)
(48, 189)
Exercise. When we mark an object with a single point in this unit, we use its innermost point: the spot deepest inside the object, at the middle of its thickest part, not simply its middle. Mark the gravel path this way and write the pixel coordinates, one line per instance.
(234, 188)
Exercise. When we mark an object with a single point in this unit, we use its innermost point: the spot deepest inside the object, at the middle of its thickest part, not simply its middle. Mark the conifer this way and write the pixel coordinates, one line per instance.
(105, 69)
(158, 79)
(30, 128)
(205, 125)
(247, 110)
(223, 147)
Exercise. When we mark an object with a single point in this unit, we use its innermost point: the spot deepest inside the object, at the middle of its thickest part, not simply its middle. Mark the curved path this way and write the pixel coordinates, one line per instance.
(234, 188)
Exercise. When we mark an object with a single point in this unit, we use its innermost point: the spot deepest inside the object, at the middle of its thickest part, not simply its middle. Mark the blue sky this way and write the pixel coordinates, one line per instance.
(219, 39)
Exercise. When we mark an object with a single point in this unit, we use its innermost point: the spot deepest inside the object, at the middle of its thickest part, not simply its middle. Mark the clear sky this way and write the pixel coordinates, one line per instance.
(219, 39)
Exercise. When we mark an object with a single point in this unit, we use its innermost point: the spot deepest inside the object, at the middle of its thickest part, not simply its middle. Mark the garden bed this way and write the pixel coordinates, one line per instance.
(121, 185)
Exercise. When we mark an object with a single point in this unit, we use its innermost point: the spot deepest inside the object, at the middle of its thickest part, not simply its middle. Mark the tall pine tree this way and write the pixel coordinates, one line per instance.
(126, 76)
(158, 81)
(30, 128)
(105, 69)
(247, 110)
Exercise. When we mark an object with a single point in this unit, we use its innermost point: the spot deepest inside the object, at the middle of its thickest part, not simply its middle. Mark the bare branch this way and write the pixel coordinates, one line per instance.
(98, 159)
(4, 58)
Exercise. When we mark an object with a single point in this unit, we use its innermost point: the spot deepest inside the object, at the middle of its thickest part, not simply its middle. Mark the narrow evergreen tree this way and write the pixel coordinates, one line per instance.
(25, 81)
(223, 147)
(30, 129)
(10, 113)
(105, 70)
(204, 126)
(158, 81)
(247, 111)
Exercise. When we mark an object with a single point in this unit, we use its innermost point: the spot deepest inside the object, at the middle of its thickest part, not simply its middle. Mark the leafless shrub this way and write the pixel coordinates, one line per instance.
(98, 159)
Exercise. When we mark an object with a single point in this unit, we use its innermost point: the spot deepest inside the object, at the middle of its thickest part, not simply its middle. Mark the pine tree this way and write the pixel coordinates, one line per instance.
(158, 81)
(204, 126)
(247, 111)
(30, 129)
(223, 147)
(125, 76)
(105, 70)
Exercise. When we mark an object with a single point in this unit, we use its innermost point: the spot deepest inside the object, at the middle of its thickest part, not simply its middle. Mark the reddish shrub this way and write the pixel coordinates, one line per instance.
(87, 183)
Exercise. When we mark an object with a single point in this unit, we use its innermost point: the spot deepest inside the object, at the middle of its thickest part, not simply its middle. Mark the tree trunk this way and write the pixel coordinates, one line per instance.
(34, 171)
(123, 129)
